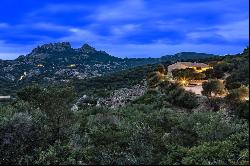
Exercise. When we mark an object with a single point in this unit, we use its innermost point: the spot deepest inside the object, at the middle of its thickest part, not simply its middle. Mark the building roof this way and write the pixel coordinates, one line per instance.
(193, 64)
(184, 65)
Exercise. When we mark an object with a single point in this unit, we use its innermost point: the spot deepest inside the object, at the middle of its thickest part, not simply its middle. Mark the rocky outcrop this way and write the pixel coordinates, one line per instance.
(52, 47)
(83, 102)
(117, 98)
(87, 49)
(122, 96)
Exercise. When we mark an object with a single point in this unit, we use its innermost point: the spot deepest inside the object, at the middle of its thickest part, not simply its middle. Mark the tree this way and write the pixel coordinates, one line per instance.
(213, 73)
(55, 102)
(238, 95)
(157, 77)
(177, 96)
(20, 134)
(237, 99)
(161, 69)
(213, 87)
(239, 76)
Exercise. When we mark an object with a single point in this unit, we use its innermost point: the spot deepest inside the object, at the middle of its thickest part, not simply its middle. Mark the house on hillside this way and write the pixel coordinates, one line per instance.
(198, 67)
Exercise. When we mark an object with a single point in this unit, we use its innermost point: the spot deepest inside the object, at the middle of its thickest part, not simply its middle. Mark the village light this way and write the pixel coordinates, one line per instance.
(72, 65)
(40, 65)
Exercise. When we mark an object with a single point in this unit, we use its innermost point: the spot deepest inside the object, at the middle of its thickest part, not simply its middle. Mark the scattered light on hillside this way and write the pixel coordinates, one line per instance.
(72, 65)
(40, 65)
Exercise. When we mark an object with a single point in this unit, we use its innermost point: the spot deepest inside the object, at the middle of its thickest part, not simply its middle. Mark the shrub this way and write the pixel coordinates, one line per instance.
(237, 100)
(60, 154)
(19, 136)
(213, 86)
(226, 152)
(238, 95)
(179, 97)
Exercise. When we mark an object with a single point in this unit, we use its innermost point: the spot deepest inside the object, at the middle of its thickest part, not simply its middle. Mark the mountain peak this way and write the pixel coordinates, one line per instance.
(87, 48)
(60, 46)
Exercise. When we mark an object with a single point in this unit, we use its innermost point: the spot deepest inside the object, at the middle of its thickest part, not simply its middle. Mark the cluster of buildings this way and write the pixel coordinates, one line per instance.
(198, 67)
(194, 86)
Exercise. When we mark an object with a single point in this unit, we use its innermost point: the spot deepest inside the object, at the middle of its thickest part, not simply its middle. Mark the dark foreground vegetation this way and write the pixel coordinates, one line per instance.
(41, 129)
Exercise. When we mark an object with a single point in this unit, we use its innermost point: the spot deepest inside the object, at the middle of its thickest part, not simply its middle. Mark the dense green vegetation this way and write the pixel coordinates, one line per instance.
(145, 132)
(40, 128)
(235, 67)
(235, 71)
(163, 126)
(103, 85)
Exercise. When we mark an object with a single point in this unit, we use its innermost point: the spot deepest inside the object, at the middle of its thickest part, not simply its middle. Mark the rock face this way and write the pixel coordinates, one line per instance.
(122, 96)
(58, 47)
(84, 101)
(117, 98)
(87, 48)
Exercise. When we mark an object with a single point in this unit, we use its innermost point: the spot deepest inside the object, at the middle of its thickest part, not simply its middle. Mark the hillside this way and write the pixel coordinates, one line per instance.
(59, 63)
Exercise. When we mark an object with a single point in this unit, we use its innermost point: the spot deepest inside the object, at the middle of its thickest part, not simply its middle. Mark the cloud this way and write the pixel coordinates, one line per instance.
(74, 30)
(11, 51)
(235, 30)
(58, 8)
(121, 10)
(229, 32)
(64, 7)
(78, 36)
(125, 29)
(49, 26)
(4, 25)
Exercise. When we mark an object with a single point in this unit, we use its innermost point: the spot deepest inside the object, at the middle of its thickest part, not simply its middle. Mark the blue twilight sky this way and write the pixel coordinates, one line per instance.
(125, 28)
